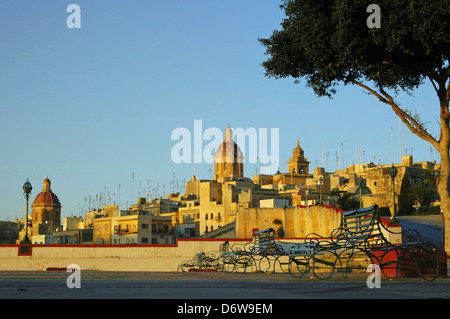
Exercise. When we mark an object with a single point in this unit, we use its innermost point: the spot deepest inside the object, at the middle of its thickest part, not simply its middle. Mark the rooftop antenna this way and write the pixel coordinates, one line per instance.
(262, 151)
(337, 161)
(392, 145)
(359, 153)
(132, 186)
(323, 156)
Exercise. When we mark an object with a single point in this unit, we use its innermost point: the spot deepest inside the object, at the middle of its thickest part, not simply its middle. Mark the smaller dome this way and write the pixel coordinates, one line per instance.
(354, 190)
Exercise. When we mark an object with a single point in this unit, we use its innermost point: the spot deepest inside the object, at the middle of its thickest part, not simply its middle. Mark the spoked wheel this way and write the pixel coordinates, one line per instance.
(324, 265)
(298, 265)
(241, 263)
(427, 261)
(389, 262)
(228, 267)
(284, 263)
(228, 263)
(264, 264)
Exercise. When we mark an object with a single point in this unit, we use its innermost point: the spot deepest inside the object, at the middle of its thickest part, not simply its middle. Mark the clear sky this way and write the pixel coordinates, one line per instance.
(92, 107)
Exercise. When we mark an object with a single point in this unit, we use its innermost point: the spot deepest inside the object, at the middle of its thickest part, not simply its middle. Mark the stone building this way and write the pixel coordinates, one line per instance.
(114, 226)
(376, 182)
(219, 201)
(9, 232)
(46, 211)
(298, 171)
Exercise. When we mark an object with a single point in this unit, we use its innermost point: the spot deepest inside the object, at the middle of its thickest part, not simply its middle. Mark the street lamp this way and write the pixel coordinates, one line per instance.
(360, 181)
(393, 173)
(284, 191)
(27, 191)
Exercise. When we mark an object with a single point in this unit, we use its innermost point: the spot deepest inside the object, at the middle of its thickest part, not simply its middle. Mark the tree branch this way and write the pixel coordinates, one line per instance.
(409, 121)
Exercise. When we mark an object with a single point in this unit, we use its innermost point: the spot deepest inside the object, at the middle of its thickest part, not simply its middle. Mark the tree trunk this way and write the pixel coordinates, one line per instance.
(444, 178)
(442, 146)
(443, 183)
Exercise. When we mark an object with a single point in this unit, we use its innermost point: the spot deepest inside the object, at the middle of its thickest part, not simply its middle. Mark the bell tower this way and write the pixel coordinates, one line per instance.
(298, 164)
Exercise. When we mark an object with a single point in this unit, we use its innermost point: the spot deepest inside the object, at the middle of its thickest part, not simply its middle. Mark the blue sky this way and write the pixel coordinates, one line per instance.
(89, 107)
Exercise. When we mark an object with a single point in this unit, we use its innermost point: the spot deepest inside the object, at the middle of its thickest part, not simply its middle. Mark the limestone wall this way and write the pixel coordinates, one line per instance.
(297, 222)
(108, 257)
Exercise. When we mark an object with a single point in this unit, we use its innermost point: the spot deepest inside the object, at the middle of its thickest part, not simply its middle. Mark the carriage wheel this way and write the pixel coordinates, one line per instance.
(298, 265)
(324, 267)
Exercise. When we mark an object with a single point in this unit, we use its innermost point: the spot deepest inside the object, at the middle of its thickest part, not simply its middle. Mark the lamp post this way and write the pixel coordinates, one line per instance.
(393, 173)
(27, 191)
(284, 211)
(284, 195)
(360, 181)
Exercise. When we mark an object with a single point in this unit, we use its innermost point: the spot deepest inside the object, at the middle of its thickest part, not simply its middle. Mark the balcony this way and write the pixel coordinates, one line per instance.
(125, 231)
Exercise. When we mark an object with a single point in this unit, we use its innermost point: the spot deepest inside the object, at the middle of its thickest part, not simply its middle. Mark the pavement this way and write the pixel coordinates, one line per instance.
(210, 285)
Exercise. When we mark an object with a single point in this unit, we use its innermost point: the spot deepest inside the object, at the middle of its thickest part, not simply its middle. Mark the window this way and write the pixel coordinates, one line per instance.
(144, 226)
(212, 216)
(206, 216)
(144, 240)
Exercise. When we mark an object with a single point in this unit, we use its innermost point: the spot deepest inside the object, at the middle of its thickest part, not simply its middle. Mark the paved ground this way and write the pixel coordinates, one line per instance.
(209, 285)
(430, 227)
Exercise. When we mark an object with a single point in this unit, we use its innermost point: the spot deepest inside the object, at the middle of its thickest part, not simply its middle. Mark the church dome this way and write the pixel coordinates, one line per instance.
(46, 198)
(229, 151)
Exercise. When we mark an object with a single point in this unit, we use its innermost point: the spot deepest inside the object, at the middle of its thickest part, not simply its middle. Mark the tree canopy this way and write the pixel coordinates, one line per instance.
(328, 43)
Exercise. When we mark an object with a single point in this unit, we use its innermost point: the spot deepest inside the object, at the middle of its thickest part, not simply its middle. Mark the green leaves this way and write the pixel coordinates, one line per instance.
(327, 42)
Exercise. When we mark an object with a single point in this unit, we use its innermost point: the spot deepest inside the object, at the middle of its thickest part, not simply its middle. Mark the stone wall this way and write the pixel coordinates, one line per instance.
(297, 222)
(107, 257)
